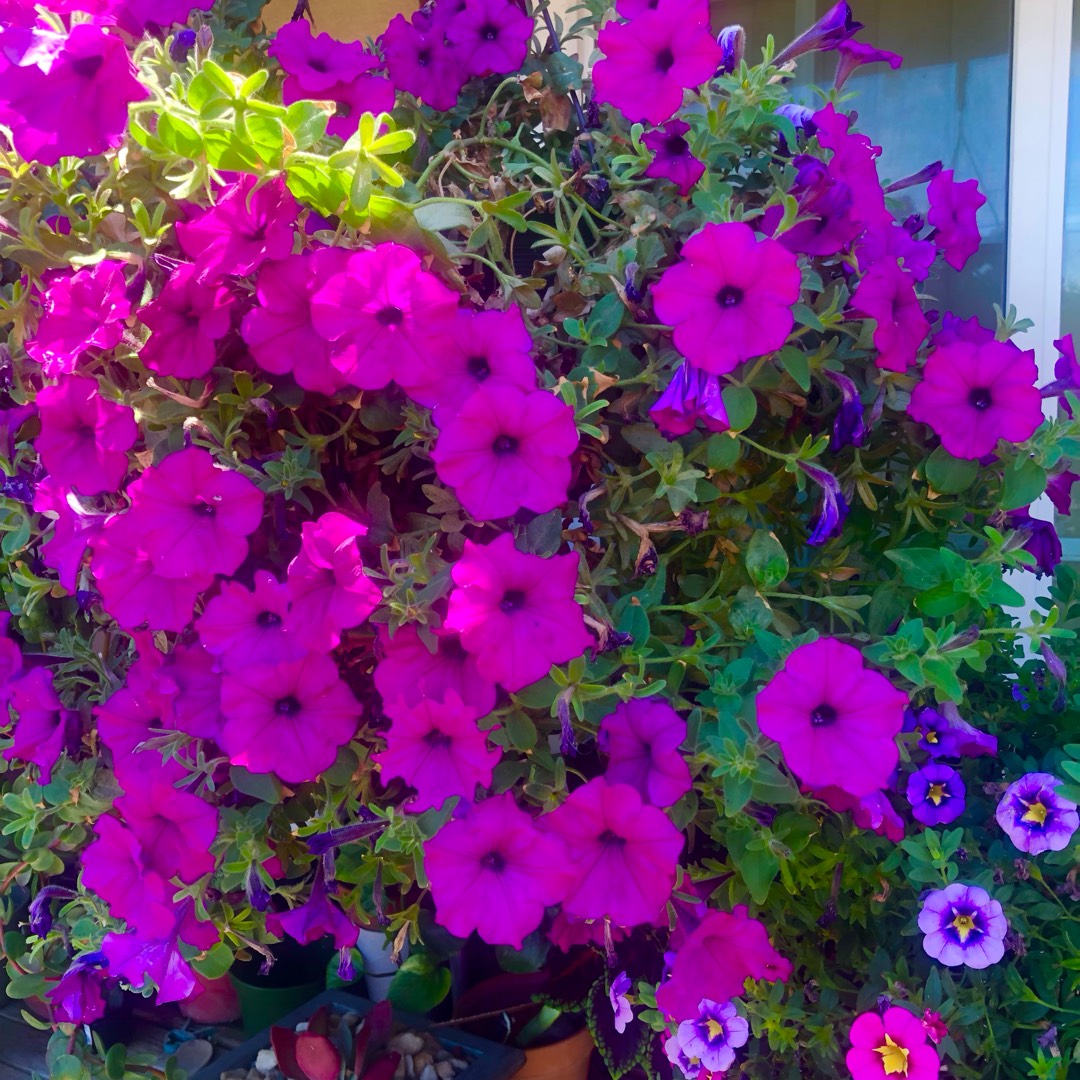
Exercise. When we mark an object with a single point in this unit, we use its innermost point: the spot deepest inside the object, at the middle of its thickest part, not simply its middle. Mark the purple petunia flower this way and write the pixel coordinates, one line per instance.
(732, 42)
(1042, 540)
(492, 36)
(423, 63)
(833, 510)
(853, 54)
(77, 997)
(672, 159)
(1059, 489)
(835, 26)
(619, 1004)
(849, 427)
(825, 204)
(936, 793)
(963, 925)
(317, 63)
(711, 1038)
(953, 210)
(692, 395)
(887, 294)
(1035, 817)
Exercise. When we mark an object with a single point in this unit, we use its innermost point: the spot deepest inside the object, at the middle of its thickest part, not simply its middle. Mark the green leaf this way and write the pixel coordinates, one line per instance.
(741, 406)
(921, 568)
(116, 1062)
(419, 984)
(605, 318)
(68, 1067)
(180, 137)
(949, 475)
(307, 120)
(264, 787)
(203, 94)
(722, 452)
(441, 217)
(766, 560)
(940, 601)
(216, 962)
(1024, 483)
(797, 364)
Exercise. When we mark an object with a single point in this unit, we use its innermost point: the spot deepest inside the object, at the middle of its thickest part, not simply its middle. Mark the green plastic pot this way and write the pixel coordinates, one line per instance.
(298, 975)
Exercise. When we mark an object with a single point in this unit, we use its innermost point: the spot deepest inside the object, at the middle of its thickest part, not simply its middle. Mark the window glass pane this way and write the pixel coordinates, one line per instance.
(949, 102)
(1069, 527)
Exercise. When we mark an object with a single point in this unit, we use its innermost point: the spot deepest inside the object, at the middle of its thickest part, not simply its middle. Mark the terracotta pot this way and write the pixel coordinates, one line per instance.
(564, 1060)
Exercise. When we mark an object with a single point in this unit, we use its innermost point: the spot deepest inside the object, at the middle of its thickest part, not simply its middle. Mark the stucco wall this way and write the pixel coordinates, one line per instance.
(351, 19)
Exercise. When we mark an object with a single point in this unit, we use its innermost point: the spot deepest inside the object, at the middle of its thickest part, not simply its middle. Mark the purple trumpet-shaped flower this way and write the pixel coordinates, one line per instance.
(322, 843)
(567, 739)
(1066, 372)
(833, 508)
(945, 734)
(77, 998)
(963, 926)
(258, 895)
(732, 42)
(1054, 664)
(711, 1038)
(672, 159)
(40, 909)
(936, 793)
(346, 969)
(826, 202)
(1042, 540)
(915, 222)
(849, 427)
(692, 395)
(1059, 490)
(619, 1003)
(1035, 817)
(836, 25)
(853, 54)
(802, 120)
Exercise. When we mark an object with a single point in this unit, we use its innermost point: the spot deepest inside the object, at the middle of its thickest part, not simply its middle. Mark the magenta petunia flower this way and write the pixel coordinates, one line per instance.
(251, 223)
(826, 202)
(365, 93)
(649, 61)
(854, 162)
(316, 918)
(247, 626)
(887, 294)
(176, 829)
(289, 718)
(834, 27)
(516, 612)
(84, 438)
(72, 530)
(491, 35)
(835, 719)
(189, 677)
(382, 313)
(508, 449)
(409, 671)
(436, 748)
(641, 739)
(1035, 817)
(954, 209)
(317, 62)
(279, 330)
(484, 348)
(963, 926)
(716, 959)
(891, 243)
(186, 321)
(65, 95)
(328, 589)
(136, 17)
(624, 854)
(194, 517)
(136, 958)
(423, 63)
(730, 297)
(132, 590)
(42, 723)
(690, 397)
(140, 709)
(11, 660)
(973, 395)
(80, 311)
(873, 812)
(893, 1044)
(116, 868)
(672, 159)
(854, 54)
(494, 871)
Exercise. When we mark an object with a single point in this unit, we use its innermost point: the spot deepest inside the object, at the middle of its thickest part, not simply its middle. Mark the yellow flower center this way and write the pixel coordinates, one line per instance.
(936, 793)
(963, 925)
(1036, 813)
(931, 737)
(894, 1058)
(715, 1029)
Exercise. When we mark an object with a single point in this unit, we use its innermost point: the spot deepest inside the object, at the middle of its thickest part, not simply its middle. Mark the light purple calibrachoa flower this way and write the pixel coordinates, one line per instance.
(508, 449)
(1035, 817)
(711, 1038)
(730, 297)
(936, 793)
(963, 925)
(672, 159)
(620, 1006)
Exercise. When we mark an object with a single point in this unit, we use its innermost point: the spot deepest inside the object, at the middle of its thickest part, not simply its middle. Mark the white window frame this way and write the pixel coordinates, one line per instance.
(1042, 53)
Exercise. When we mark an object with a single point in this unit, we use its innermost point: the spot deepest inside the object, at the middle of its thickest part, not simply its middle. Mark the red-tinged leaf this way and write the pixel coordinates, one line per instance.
(372, 1035)
(383, 1069)
(283, 1043)
(317, 1056)
(319, 1024)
